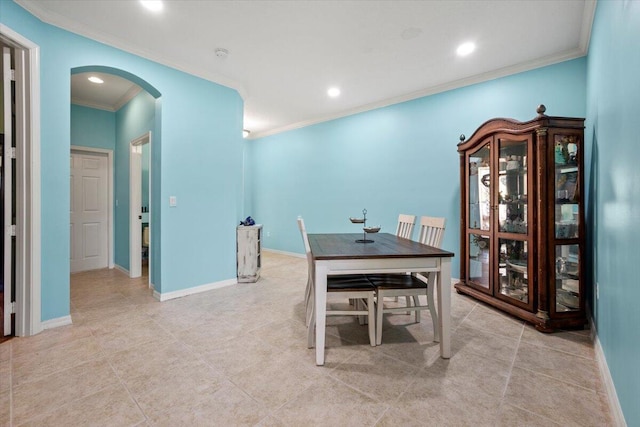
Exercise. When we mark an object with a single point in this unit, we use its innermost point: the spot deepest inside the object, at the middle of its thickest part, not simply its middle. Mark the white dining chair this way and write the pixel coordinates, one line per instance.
(405, 226)
(404, 229)
(353, 286)
(410, 285)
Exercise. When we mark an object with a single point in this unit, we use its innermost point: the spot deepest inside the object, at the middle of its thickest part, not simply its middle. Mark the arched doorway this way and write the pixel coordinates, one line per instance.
(132, 107)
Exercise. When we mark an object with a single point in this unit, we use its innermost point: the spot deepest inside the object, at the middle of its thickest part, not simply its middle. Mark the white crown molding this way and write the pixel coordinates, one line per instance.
(128, 96)
(479, 78)
(97, 106)
(66, 24)
(588, 14)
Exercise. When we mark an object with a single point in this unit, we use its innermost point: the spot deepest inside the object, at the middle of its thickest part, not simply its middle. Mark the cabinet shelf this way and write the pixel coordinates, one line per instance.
(519, 171)
(566, 168)
(513, 202)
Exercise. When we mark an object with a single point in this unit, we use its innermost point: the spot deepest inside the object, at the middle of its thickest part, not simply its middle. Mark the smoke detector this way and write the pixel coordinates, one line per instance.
(221, 53)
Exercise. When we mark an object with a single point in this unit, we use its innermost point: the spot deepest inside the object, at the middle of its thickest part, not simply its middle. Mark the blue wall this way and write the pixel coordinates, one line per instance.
(133, 120)
(93, 128)
(197, 158)
(398, 159)
(613, 110)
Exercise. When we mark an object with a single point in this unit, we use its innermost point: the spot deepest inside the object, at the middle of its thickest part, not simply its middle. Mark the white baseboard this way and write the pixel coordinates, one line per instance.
(612, 395)
(195, 290)
(276, 251)
(122, 269)
(56, 323)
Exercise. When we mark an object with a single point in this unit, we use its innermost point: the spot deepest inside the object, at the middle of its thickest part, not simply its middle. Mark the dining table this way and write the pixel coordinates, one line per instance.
(345, 253)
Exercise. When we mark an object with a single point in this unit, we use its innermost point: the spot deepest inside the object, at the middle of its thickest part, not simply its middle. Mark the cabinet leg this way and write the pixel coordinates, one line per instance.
(544, 328)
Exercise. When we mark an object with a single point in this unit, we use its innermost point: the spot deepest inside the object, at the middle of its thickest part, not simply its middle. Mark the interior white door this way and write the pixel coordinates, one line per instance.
(89, 216)
(7, 179)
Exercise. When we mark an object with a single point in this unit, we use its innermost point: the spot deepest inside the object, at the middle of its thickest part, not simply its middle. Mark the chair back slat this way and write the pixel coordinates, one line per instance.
(405, 226)
(431, 231)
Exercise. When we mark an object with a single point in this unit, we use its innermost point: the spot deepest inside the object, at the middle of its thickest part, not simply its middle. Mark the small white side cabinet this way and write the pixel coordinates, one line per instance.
(249, 246)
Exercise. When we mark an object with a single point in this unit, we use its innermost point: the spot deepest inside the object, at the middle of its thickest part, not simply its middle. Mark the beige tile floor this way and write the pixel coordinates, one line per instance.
(237, 356)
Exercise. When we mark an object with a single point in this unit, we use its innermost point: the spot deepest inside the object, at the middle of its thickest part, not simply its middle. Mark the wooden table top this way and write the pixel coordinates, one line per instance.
(385, 245)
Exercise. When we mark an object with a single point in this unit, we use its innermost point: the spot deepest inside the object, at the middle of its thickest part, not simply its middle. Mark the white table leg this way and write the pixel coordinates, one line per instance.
(320, 311)
(444, 307)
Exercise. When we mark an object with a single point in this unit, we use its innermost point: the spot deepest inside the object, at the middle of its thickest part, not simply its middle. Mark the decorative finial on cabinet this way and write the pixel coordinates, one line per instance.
(541, 109)
(462, 138)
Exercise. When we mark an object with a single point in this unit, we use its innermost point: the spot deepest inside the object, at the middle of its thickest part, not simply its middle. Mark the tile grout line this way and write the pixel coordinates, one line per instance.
(98, 390)
(560, 380)
(551, 421)
(122, 383)
(513, 362)
(568, 353)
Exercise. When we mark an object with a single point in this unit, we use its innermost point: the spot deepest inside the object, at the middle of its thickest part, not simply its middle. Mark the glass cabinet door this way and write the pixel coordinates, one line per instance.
(480, 189)
(512, 280)
(512, 189)
(566, 186)
(479, 211)
(513, 271)
(567, 222)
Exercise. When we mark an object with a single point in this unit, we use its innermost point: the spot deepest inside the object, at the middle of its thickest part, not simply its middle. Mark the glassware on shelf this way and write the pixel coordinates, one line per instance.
(479, 260)
(512, 191)
(513, 270)
(480, 189)
(567, 278)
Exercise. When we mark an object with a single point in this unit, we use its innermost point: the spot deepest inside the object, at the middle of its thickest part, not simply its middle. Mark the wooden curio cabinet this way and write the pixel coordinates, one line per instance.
(522, 219)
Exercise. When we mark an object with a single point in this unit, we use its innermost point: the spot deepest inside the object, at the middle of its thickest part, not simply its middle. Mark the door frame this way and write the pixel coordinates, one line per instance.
(109, 154)
(28, 296)
(135, 201)
(7, 177)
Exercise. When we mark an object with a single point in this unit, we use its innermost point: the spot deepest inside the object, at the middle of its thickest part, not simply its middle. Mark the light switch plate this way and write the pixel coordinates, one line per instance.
(173, 201)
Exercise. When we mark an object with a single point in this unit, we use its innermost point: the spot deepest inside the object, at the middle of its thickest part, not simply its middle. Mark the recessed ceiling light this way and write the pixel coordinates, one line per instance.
(465, 48)
(152, 5)
(97, 80)
(333, 92)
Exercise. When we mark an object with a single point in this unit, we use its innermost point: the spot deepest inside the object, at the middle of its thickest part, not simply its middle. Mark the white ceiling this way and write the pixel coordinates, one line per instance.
(110, 95)
(284, 55)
